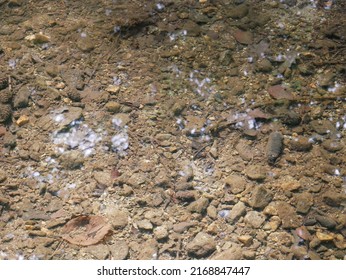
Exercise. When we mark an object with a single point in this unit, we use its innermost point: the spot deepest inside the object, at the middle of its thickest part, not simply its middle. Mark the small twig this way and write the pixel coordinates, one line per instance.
(130, 104)
(10, 83)
(200, 150)
(56, 249)
(105, 57)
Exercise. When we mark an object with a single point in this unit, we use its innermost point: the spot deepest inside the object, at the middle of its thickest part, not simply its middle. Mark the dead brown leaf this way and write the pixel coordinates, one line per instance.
(85, 230)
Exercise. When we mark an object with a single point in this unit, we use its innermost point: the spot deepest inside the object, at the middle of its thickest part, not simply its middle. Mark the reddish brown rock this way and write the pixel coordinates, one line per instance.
(280, 92)
(244, 37)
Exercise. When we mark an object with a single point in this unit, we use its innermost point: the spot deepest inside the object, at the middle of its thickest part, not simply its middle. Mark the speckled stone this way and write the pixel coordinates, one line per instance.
(254, 219)
(119, 250)
(260, 197)
(160, 232)
(202, 245)
(300, 144)
(199, 205)
(235, 183)
(236, 212)
(332, 145)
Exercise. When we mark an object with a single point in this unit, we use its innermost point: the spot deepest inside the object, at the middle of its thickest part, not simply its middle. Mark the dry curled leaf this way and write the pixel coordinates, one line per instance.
(85, 230)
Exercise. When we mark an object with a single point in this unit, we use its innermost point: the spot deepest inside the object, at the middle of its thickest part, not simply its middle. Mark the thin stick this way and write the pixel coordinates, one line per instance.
(10, 83)
(56, 249)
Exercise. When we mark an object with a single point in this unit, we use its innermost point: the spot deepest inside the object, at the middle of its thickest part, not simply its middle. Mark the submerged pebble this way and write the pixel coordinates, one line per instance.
(300, 144)
(332, 145)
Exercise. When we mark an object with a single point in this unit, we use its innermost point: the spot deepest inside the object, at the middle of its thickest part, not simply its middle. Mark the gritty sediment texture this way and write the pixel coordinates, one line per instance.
(172, 130)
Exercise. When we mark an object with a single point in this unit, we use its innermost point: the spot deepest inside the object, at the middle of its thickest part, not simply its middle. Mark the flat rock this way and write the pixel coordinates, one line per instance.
(233, 253)
(256, 172)
(147, 250)
(89, 95)
(86, 44)
(69, 115)
(119, 250)
(192, 28)
(235, 183)
(183, 226)
(334, 199)
(103, 178)
(288, 215)
(249, 254)
(118, 218)
(144, 224)
(114, 89)
(332, 145)
(326, 221)
(236, 212)
(186, 196)
(247, 240)
(162, 179)
(260, 197)
(160, 232)
(254, 219)
(71, 159)
(199, 206)
(281, 239)
(238, 12)
(22, 120)
(113, 106)
(326, 79)
(52, 70)
(121, 120)
(244, 150)
(264, 65)
(300, 144)
(243, 37)
(288, 183)
(280, 92)
(54, 205)
(32, 214)
(38, 39)
(322, 126)
(202, 245)
(74, 95)
(99, 252)
(291, 118)
(322, 236)
(194, 124)
(238, 87)
(136, 179)
(303, 202)
(212, 211)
